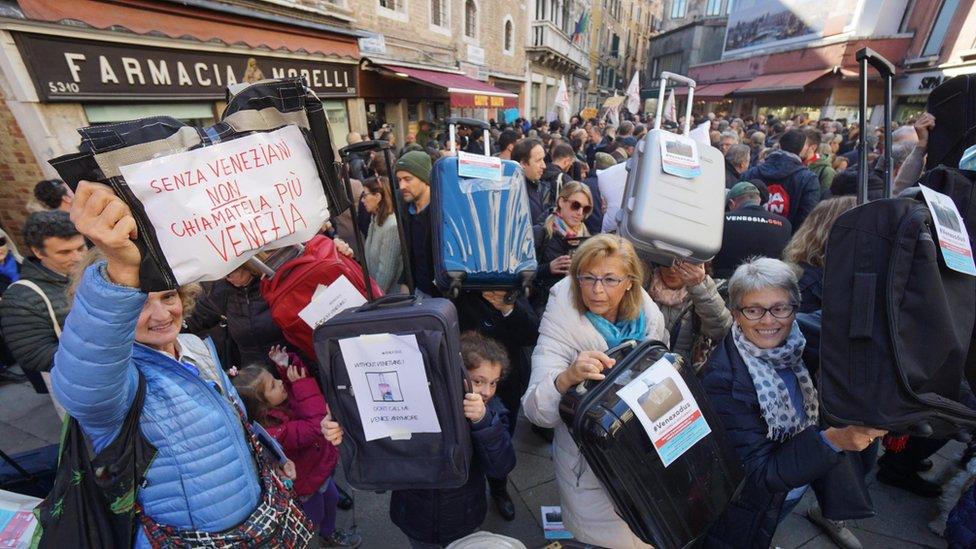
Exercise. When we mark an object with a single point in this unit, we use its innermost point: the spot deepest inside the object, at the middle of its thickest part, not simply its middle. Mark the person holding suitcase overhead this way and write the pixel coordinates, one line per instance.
(599, 305)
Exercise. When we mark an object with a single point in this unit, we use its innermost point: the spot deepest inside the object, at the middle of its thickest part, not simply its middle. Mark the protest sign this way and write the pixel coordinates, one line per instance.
(390, 385)
(662, 402)
(957, 251)
(213, 208)
(328, 301)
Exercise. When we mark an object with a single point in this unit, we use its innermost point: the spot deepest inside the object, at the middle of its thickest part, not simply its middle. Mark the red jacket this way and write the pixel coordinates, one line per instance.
(300, 434)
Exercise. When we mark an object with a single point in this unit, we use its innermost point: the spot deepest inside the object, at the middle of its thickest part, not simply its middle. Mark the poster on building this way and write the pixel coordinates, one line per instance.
(390, 385)
(662, 402)
(756, 24)
(213, 208)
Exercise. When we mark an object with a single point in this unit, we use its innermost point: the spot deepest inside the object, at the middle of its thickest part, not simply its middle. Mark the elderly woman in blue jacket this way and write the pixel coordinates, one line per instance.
(205, 484)
(767, 400)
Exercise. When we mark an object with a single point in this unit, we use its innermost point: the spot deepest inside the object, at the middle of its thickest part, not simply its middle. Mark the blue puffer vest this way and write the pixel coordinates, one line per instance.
(204, 476)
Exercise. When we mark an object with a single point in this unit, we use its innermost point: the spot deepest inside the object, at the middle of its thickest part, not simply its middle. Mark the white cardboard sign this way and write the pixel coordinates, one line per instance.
(213, 208)
(662, 402)
(390, 385)
(328, 301)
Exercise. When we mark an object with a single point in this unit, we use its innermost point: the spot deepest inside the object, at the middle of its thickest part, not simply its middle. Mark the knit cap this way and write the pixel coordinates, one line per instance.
(417, 163)
(604, 160)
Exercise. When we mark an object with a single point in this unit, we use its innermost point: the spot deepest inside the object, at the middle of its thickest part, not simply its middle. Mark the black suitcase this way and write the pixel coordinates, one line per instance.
(664, 505)
(953, 104)
(897, 323)
(425, 460)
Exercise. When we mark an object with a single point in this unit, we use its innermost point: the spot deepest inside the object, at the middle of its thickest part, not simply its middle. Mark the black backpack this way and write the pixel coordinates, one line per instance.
(897, 323)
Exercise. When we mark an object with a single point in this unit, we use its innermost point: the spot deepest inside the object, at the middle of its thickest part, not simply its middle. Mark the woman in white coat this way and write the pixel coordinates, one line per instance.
(599, 305)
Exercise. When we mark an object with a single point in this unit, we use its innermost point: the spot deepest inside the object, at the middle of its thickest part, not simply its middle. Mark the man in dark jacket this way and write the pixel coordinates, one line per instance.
(736, 164)
(556, 173)
(413, 178)
(532, 156)
(794, 190)
(749, 231)
(57, 248)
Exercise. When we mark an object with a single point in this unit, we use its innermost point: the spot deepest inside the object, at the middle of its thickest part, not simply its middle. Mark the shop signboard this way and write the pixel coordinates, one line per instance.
(67, 69)
(759, 24)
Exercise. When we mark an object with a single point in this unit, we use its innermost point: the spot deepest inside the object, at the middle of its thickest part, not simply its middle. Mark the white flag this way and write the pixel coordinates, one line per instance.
(700, 133)
(562, 100)
(633, 94)
(670, 112)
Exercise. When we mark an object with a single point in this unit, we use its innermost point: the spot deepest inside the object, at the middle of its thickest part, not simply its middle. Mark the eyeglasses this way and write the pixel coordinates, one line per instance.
(778, 311)
(607, 281)
(576, 206)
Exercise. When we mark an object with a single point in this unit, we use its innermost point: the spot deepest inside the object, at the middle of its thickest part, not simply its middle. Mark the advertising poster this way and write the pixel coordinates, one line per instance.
(754, 24)
(663, 404)
(390, 385)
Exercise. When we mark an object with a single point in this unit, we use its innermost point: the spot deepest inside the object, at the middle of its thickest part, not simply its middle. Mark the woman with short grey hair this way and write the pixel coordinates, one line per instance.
(767, 400)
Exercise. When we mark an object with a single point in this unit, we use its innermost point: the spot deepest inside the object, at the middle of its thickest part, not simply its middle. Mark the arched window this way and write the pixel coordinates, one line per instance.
(508, 37)
(470, 19)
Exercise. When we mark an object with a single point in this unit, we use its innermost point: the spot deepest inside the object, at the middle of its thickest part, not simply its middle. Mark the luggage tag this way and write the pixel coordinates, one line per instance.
(477, 166)
(679, 155)
(662, 402)
(957, 251)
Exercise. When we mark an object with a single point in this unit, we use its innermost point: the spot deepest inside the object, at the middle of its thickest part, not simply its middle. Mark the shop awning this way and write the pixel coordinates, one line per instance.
(717, 91)
(786, 81)
(465, 92)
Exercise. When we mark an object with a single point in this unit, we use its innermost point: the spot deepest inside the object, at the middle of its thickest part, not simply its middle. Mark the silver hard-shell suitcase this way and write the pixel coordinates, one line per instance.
(669, 216)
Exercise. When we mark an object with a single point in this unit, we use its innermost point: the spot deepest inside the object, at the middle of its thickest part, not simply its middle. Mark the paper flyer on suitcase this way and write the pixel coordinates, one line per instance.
(662, 402)
(213, 208)
(679, 155)
(957, 250)
(390, 385)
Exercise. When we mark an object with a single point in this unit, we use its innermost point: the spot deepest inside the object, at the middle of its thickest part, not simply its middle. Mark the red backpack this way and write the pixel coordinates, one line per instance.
(294, 283)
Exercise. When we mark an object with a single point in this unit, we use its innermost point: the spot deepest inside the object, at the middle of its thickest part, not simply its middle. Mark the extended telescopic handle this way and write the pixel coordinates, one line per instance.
(363, 146)
(665, 78)
(877, 61)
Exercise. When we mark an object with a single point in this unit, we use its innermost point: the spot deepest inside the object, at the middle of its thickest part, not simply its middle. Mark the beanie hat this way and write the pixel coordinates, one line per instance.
(603, 161)
(629, 141)
(417, 163)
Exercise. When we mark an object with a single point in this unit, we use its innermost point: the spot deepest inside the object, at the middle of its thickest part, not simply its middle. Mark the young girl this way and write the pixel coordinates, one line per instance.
(291, 411)
(435, 518)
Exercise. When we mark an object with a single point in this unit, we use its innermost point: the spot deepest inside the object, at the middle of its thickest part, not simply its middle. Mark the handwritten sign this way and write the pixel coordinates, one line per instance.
(390, 385)
(957, 251)
(215, 207)
(662, 402)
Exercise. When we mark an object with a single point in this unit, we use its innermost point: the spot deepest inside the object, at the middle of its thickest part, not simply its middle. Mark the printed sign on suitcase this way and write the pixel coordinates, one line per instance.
(390, 385)
(957, 251)
(661, 400)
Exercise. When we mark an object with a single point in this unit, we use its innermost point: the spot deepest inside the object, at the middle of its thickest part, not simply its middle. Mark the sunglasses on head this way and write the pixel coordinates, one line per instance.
(576, 206)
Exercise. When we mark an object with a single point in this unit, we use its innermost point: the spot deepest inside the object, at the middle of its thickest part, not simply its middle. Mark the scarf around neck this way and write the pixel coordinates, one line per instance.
(617, 333)
(560, 226)
(662, 295)
(774, 398)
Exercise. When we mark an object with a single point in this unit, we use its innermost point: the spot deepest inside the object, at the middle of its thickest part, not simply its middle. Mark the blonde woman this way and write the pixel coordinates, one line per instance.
(598, 306)
(808, 249)
(558, 236)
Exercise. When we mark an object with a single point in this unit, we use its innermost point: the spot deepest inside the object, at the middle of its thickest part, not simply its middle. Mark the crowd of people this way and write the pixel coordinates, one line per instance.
(748, 322)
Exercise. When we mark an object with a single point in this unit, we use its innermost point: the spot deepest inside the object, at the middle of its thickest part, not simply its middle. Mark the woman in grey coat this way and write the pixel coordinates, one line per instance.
(383, 255)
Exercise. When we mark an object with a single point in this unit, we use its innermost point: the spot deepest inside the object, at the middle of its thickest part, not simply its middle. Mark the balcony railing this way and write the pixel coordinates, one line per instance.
(546, 35)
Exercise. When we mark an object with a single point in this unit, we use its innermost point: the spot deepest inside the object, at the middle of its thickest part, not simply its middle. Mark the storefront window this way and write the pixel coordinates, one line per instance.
(335, 112)
(196, 114)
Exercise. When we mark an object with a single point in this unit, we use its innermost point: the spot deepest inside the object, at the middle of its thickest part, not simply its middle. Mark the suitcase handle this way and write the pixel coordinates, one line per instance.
(389, 301)
(665, 77)
(363, 146)
(865, 57)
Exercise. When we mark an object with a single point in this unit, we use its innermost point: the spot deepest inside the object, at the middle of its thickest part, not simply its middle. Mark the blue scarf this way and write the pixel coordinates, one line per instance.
(615, 334)
(9, 268)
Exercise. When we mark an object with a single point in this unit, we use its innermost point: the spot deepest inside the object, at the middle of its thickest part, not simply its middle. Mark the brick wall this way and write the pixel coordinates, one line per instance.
(19, 173)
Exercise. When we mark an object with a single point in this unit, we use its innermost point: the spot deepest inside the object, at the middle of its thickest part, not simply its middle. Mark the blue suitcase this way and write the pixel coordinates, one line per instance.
(482, 230)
